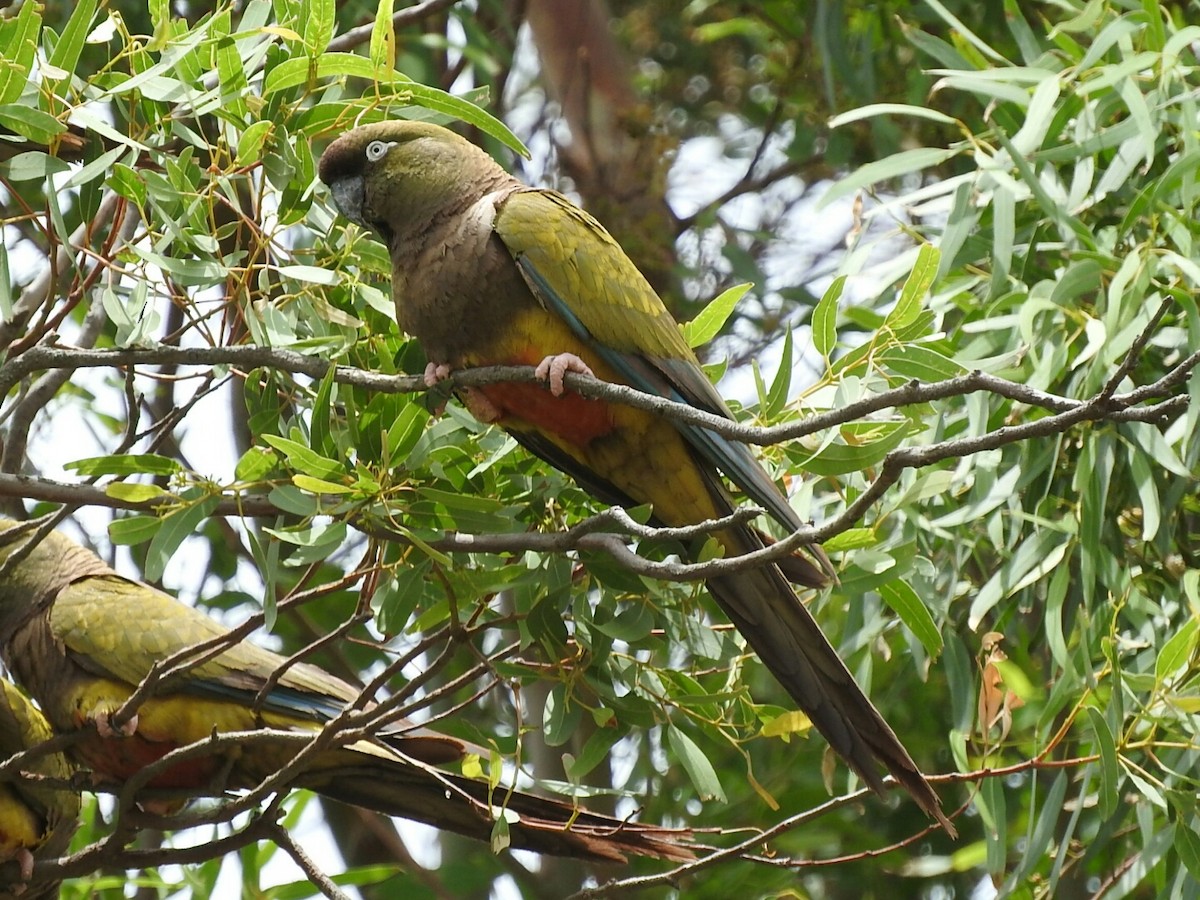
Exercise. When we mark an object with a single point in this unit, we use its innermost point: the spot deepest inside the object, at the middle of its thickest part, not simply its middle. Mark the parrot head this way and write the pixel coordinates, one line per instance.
(395, 178)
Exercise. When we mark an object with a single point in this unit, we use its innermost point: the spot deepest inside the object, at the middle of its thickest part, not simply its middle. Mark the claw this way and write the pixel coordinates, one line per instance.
(104, 726)
(25, 861)
(435, 372)
(477, 404)
(553, 368)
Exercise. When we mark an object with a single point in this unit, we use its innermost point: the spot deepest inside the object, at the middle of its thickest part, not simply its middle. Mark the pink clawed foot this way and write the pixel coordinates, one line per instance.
(477, 404)
(104, 725)
(553, 368)
(25, 861)
(435, 372)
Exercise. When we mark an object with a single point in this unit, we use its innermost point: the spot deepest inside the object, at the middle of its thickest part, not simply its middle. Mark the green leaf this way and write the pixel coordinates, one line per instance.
(18, 46)
(1187, 845)
(320, 438)
(1109, 772)
(310, 274)
(905, 602)
(594, 752)
(255, 464)
(1046, 826)
(992, 803)
(1017, 681)
(34, 124)
(851, 539)
(915, 361)
(872, 441)
(383, 37)
(290, 499)
(175, 529)
(132, 492)
(32, 165)
(1082, 278)
(891, 109)
(316, 18)
(1143, 864)
(633, 623)
(126, 182)
(134, 529)
(251, 142)
(777, 396)
(1038, 116)
(560, 717)
(786, 724)
(887, 169)
(96, 169)
(404, 433)
(1177, 651)
(70, 44)
(126, 464)
(320, 486)
(916, 286)
(394, 602)
(705, 326)
(471, 512)
(700, 770)
(304, 459)
(824, 318)
(1035, 558)
(501, 839)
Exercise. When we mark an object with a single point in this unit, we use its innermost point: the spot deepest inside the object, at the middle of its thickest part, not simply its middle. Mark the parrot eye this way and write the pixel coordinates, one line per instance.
(377, 150)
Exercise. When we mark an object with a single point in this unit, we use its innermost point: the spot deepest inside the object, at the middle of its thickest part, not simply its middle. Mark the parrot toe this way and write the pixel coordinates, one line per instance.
(476, 402)
(553, 368)
(25, 861)
(480, 406)
(435, 372)
(104, 725)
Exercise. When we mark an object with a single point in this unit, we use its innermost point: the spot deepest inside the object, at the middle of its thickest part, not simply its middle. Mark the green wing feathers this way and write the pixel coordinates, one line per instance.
(590, 272)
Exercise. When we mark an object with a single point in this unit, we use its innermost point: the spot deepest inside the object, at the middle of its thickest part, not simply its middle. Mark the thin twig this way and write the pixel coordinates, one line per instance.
(311, 870)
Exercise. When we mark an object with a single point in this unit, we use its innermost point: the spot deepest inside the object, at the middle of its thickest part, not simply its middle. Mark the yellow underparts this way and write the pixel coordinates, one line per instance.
(20, 827)
(641, 454)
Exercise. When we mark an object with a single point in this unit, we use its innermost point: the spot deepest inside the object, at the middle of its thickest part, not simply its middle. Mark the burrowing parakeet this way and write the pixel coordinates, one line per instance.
(80, 638)
(488, 271)
(36, 820)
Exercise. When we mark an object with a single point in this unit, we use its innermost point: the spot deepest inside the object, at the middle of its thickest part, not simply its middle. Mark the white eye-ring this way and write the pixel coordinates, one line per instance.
(377, 150)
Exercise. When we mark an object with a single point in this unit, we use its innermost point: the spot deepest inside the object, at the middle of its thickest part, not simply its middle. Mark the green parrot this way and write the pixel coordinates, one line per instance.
(36, 820)
(488, 271)
(81, 638)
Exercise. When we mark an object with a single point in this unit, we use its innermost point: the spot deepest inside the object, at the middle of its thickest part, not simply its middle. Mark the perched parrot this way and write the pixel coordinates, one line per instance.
(36, 820)
(80, 638)
(488, 271)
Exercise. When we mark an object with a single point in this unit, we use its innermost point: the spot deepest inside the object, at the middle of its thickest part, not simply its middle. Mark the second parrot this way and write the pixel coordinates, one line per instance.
(36, 820)
(81, 638)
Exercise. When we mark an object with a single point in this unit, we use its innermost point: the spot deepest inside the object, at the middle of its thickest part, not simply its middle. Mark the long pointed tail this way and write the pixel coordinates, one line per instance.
(467, 806)
(781, 630)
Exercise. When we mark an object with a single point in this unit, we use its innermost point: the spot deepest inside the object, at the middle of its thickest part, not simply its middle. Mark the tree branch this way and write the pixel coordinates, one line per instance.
(912, 392)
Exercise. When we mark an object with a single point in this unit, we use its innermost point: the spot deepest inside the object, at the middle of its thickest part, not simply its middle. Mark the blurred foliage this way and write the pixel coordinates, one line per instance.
(1023, 207)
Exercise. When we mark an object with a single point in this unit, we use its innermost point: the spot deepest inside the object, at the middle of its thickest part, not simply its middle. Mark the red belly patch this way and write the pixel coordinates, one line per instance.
(118, 758)
(572, 418)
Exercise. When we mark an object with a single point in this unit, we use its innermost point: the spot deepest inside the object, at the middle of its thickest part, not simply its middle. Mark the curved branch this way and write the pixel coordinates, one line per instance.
(745, 850)
(913, 392)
